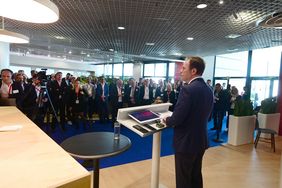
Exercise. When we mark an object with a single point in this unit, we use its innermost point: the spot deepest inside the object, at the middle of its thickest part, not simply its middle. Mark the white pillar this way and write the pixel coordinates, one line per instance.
(4, 55)
(137, 70)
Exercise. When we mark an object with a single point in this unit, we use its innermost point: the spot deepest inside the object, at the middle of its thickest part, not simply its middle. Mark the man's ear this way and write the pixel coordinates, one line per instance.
(194, 71)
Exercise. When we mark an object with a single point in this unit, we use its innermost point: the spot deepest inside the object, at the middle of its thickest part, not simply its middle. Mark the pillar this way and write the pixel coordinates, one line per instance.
(4, 55)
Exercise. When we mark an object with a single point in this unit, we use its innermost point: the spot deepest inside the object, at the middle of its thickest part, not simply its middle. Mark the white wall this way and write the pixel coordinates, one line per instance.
(4, 55)
(137, 70)
(208, 73)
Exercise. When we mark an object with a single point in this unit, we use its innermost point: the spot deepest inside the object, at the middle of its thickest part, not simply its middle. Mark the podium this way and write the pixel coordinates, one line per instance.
(161, 109)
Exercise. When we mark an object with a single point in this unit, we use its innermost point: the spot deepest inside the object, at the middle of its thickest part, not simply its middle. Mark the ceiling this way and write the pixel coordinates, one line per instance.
(87, 29)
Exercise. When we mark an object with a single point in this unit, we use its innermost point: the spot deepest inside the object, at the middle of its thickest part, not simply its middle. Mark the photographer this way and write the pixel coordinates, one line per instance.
(34, 100)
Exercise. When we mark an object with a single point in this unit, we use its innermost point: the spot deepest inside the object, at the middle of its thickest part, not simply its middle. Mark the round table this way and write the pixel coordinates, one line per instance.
(94, 146)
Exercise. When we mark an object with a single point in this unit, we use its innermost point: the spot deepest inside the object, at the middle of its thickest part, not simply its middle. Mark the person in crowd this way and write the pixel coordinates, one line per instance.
(234, 98)
(67, 82)
(209, 84)
(102, 94)
(18, 88)
(34, 101)
(145, 94)
(131, 94)
(78, 103)
(6, 83)
(178, 86)
(169, 96)
(89, 89)
(160, 89)
(57, 93)
(189, 120)
(116, 98)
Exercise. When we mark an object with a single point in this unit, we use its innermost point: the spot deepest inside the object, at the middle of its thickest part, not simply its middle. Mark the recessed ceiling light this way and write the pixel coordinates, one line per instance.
(82, 53)
(88, 55)
(121, 28)
(70, 52)
(221, 2)
(190, 38)
(111, 50)
(48, 55)
(200, 6)
(232, 36)
(60, 37)
(150, 43)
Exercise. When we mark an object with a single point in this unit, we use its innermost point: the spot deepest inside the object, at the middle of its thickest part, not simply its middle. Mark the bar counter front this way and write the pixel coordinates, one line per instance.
(30, 158)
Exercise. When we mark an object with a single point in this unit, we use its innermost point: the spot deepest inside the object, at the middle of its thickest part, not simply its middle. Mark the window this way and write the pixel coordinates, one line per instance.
(99, 70)
(117, 70)
(171, 69)
(234, 64)
(266, 62)
(108, 70)
(149, 69)
(160, 69)
(128, 69)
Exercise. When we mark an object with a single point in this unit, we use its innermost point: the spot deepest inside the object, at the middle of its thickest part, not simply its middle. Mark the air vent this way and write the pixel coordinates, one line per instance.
(274, 20)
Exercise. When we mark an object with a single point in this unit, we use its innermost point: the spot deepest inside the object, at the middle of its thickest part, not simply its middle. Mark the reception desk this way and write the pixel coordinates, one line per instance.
(29, 158)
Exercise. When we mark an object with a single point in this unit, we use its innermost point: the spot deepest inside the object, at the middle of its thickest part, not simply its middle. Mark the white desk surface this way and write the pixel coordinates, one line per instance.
(29, 158)
(129, 123)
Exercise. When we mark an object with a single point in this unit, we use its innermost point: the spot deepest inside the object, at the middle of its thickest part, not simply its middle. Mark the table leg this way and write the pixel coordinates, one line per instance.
(96, 170)
(156, 160)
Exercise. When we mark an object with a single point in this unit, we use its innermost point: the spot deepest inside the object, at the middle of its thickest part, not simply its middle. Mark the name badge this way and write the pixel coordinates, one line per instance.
(15, 91)
(76, 101)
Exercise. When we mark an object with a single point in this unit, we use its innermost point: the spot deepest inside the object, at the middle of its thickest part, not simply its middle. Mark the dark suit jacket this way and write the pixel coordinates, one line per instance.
(190, 117)
(99, 92)
(171, 98)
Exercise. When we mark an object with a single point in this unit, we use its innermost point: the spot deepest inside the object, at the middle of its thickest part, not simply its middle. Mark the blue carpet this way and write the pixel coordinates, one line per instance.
(141, 148)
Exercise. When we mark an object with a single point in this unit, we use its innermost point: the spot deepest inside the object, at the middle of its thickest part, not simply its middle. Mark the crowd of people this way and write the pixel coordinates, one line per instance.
(68, 100)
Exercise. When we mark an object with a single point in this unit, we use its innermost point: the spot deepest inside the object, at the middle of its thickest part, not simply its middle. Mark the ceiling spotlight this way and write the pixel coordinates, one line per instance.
(11, 37)
(232, 36)
(60, 37)
(190, 38)
(88, 55)
(121, 28)
(150, 43)
(70, 52)
(201, 6)
(111, 50)
(221, 2)
(34, 11)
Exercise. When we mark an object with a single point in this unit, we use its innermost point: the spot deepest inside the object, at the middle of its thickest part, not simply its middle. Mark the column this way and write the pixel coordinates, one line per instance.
(280, 97)
(4, 55)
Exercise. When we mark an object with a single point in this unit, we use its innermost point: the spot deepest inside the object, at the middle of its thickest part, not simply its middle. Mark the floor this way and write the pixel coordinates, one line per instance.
(224, 166)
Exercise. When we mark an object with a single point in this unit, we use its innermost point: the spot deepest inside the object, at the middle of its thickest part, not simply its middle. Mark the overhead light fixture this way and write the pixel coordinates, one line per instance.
(111, 50)
(221, 2)
(70, 52)
(121, 28)
(150, 43)
(60, 37)
(11, 37)
(34, 11)
(190, 38)
(232, 50)
(232, 36)
(201, 6)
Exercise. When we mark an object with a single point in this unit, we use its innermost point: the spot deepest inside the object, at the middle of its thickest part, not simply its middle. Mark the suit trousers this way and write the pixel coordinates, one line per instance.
(188, 170)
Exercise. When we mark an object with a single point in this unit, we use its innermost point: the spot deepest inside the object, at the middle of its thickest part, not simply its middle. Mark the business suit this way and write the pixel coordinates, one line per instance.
(103, 101)
(114, 101)
(189, 119)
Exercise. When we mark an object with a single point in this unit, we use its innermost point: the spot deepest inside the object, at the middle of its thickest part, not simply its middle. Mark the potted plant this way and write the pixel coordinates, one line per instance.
(268, 116)
(242, 123)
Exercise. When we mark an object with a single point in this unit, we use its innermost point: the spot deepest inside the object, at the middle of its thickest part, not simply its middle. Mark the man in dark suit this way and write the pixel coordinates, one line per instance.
(190, 119)
(116, 98)
(102, 94)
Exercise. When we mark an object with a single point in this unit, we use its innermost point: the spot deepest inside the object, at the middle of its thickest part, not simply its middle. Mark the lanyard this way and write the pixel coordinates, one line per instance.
(10, 89)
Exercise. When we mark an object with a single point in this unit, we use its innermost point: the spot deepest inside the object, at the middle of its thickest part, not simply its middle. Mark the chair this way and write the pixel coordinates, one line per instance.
(270, 132)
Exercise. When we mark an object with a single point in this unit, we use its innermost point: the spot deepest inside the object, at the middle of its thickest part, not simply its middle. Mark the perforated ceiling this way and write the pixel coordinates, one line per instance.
(88, 28)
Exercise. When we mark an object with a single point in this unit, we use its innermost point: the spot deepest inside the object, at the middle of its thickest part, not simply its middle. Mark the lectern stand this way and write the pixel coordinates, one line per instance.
(128, 122)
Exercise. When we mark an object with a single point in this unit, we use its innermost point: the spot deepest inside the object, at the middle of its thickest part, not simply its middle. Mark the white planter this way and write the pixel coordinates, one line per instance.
(269, 121)
(241, 130)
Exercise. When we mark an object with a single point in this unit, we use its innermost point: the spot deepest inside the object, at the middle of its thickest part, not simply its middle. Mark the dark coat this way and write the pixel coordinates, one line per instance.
(190, 117)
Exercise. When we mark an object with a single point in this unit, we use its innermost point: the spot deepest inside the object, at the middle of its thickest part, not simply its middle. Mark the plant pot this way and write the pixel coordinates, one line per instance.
(269, 121)
(241, 130)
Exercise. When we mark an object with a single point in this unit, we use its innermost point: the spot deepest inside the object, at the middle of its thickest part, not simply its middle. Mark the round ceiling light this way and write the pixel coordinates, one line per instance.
(11, 37)
(34, 11)
(200, 6)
